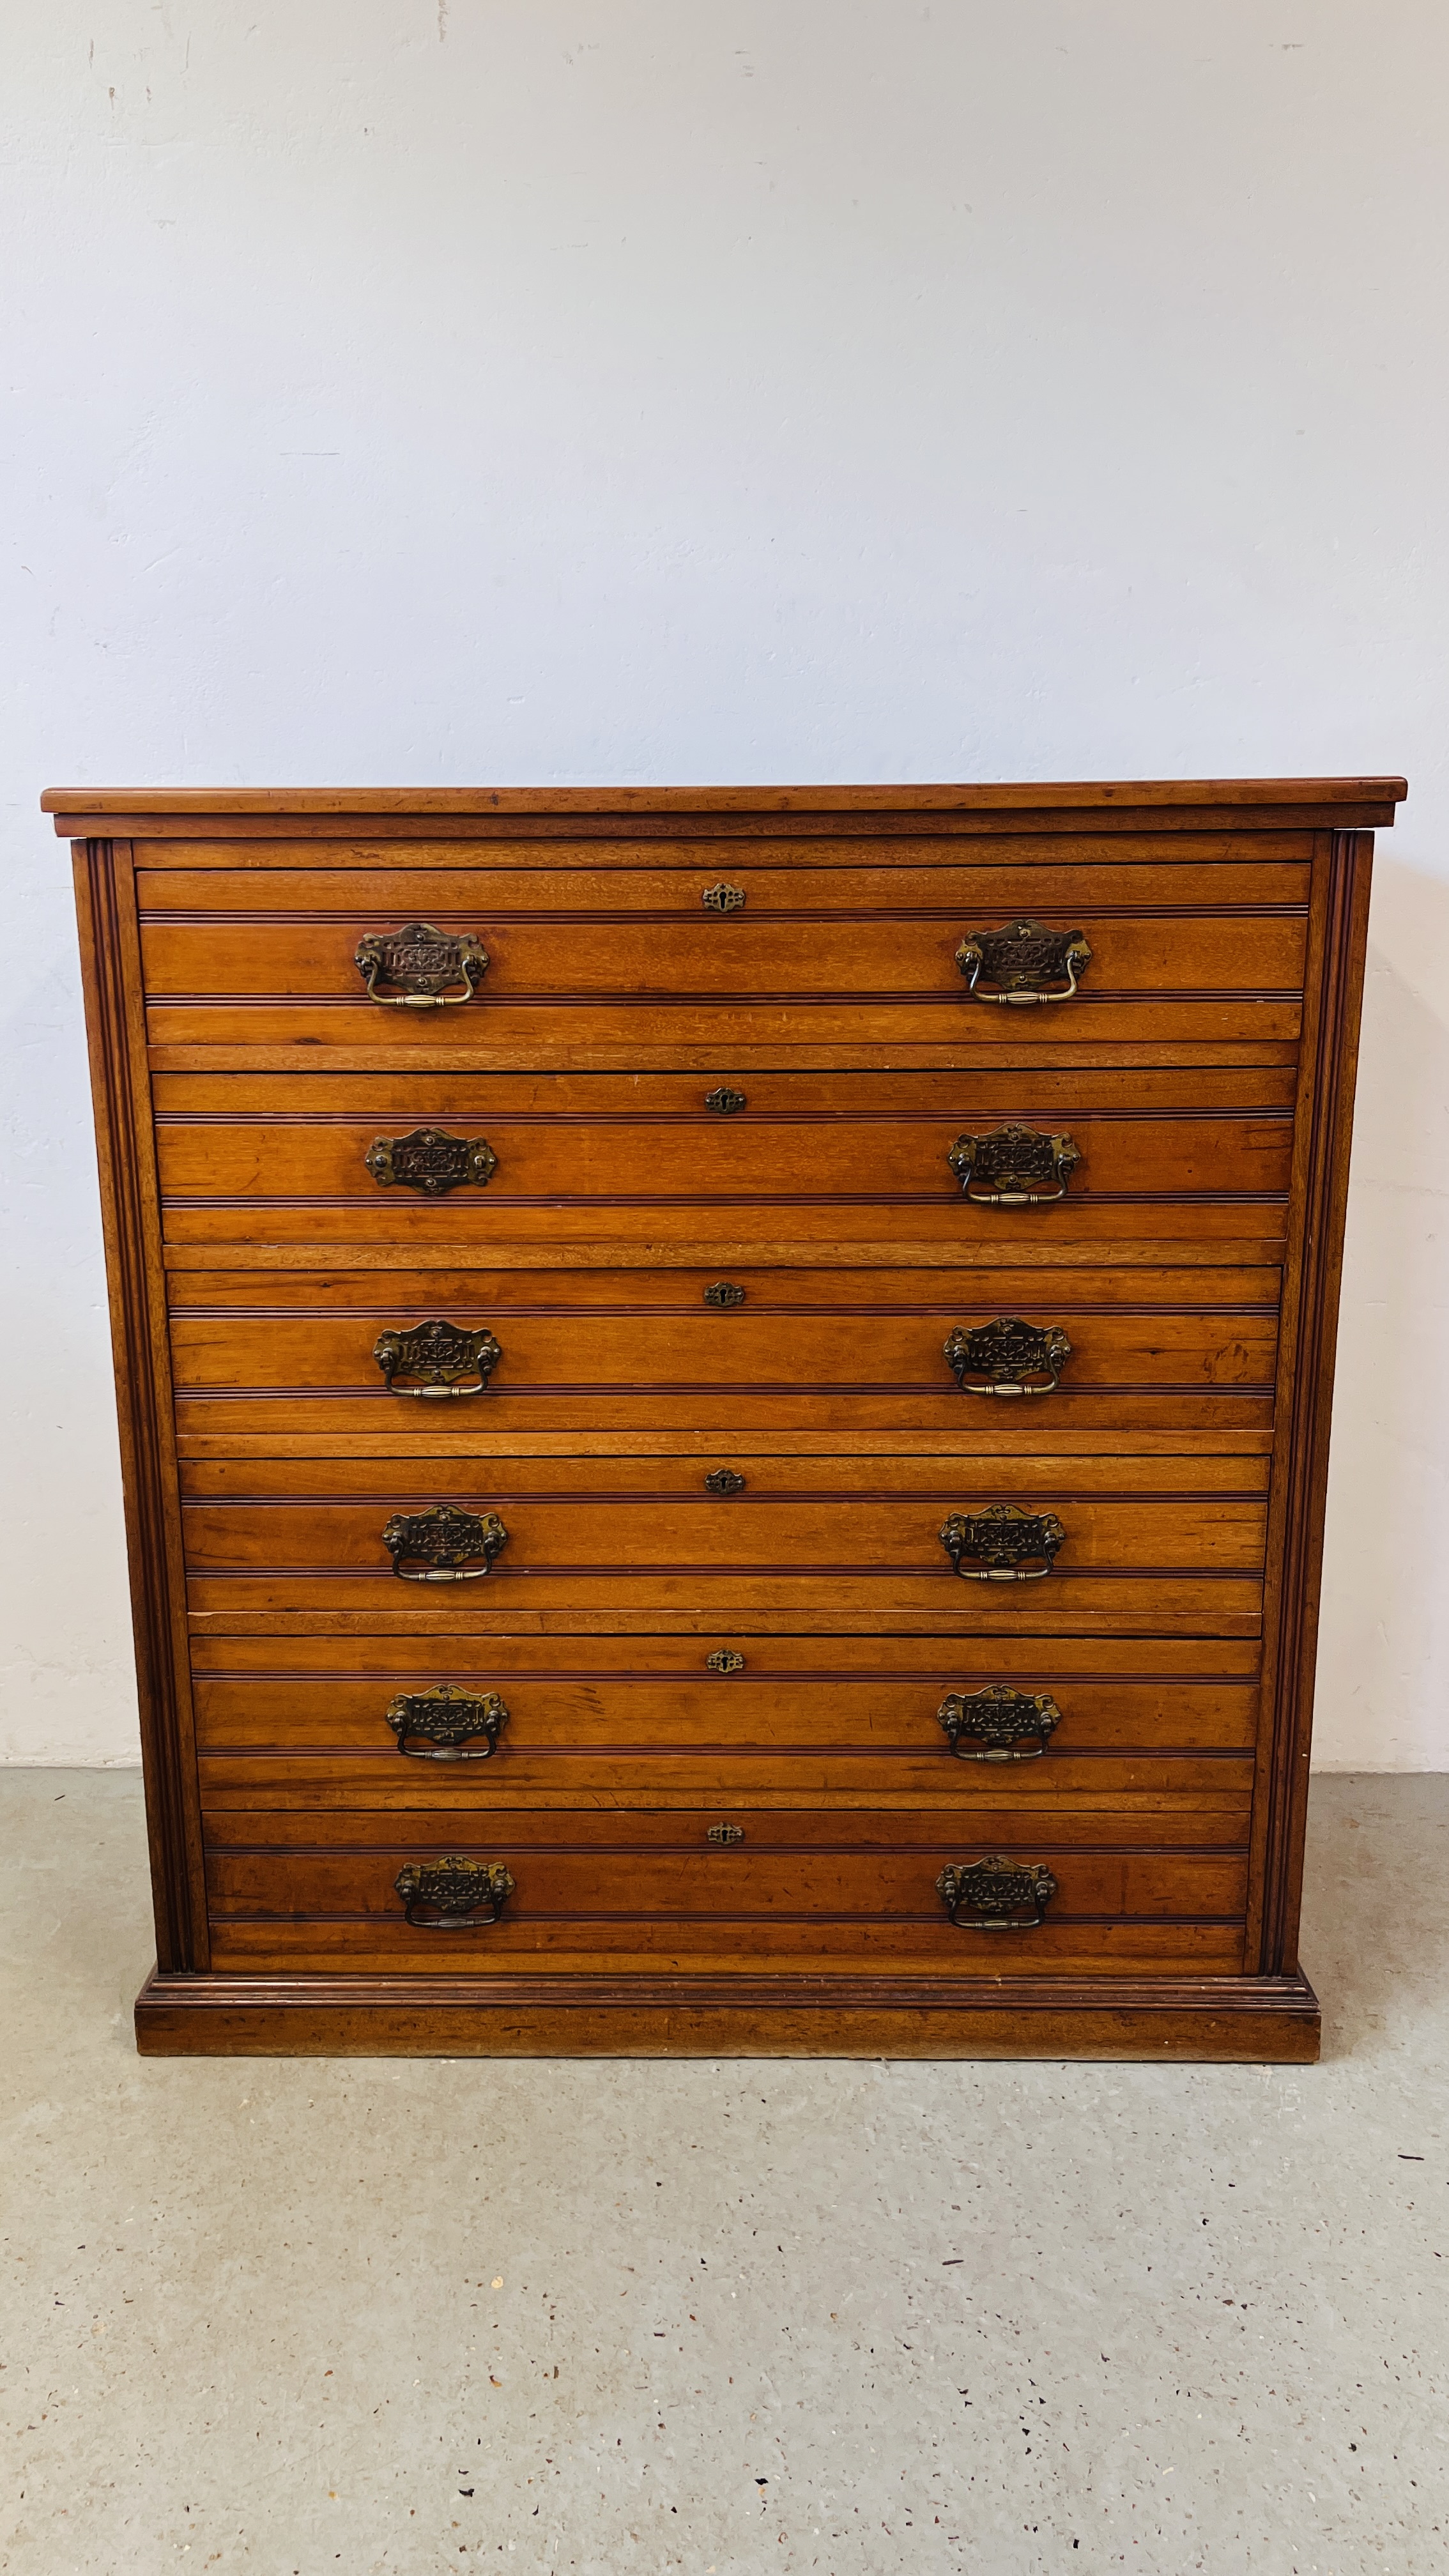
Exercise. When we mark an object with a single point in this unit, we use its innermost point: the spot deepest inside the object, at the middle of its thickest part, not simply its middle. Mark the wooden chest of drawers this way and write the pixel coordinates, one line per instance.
(724, 1398)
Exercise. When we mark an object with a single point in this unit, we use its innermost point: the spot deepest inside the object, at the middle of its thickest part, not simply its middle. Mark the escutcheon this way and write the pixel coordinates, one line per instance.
(431, 1162)
(723, 898)
(425, 969)
(1002, 1544)
(724, 1480)
(724, 1293)
(442, 1545)
(996, 1894)
(446, 1720)
(1013, 1167)
(1008, 1357)
(453, 1895)
(999, 1724)
(725, 1659)
(1023, 963)
(435, 1360)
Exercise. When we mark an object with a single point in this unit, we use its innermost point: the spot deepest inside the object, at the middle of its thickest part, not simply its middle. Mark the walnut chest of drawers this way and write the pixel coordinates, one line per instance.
(725, 1403)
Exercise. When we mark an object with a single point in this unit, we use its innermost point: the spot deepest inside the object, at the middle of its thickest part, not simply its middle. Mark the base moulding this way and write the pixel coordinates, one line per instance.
(1227, 2019)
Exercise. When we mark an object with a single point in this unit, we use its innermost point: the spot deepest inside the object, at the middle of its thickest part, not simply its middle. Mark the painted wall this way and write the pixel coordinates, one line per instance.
(564, 390)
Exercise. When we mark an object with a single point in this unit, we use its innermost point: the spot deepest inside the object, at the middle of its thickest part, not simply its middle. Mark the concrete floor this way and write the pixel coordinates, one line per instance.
(399, 2318)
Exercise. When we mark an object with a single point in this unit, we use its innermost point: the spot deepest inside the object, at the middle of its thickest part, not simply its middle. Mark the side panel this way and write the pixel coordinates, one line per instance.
(121, 1094)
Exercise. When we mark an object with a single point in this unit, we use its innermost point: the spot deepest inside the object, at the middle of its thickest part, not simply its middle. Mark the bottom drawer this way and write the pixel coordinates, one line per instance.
(788, 1888)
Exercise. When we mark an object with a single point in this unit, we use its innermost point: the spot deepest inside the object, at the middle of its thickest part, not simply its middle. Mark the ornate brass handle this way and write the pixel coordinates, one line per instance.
(1008, 1357)
(459, 1895)
(422, 963)
(1013, 1167)
(446, 1719)
(431, 1162)
(996, 1724)
(1003, 1543)
(438, 1546)
(436, 1359)
(1025, 962)
(996, 1894)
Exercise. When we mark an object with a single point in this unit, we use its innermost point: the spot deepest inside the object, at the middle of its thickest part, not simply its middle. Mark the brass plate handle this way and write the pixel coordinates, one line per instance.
(435, 1360)
(430, 1162)
(724, 1480)
(431, 970)
(998, 1723)
(446, 1719)
(725, 1834)
(724, 1293)
(725, 1102)
(723, 898)
(440, 1546)
(1023, 963)
(1013, 1167)
(1008, 1357)
(1002, 1544)
(996, 1894)
(725, 1659)
(453, 1895)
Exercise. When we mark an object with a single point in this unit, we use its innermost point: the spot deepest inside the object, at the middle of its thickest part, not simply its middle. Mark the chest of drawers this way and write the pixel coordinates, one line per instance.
(724, 1400)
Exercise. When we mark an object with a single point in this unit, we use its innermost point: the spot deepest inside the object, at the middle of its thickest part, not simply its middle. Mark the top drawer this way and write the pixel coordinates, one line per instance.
(1184, 950)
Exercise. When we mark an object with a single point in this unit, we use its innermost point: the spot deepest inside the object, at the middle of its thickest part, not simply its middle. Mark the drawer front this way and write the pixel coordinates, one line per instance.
(586, 1351)
(1156, 1542)
(851, 1891)
(613, 954)
(568, 1159)
(405, 1725)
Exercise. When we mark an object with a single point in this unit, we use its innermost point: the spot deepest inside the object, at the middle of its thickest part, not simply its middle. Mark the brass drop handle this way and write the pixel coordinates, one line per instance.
(435, 1360)
(431, 970)
(447, 1719)
(998, 1724)
(452, 1894)
(1013, 1167)
(996, 1894)
(441, 1545)
(1023, 963)
(430, 1162)
(1002, 1544)
(1008, 1357)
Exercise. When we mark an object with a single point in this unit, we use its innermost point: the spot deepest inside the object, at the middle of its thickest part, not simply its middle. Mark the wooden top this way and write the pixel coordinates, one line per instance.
(100, 812)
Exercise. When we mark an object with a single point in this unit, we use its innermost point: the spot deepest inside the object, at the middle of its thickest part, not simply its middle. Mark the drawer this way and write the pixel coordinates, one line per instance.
(285, 1354)
(850, 1892)
(621, 955)
(566, 1159)
(1155, 1542)
(306, 1723)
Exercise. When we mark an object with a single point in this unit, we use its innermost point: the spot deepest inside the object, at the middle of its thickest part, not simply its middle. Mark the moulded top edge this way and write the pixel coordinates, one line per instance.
(82, 811)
